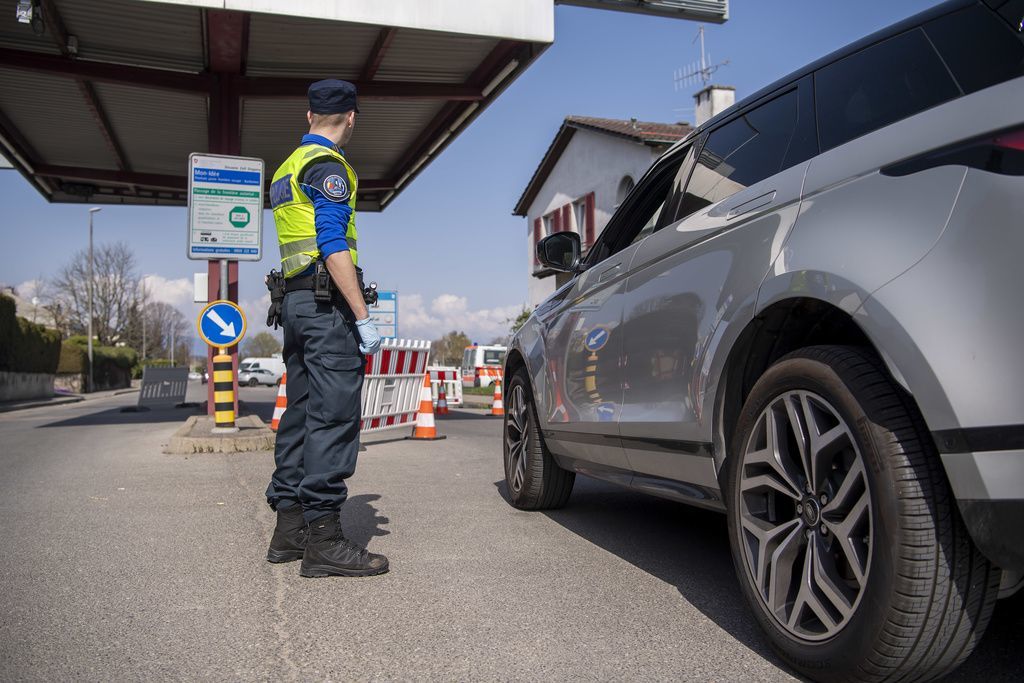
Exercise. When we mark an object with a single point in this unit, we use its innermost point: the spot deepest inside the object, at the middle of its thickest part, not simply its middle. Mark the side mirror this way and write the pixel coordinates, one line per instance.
(560, 251)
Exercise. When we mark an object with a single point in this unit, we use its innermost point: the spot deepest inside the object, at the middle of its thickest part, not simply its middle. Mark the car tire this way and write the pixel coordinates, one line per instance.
(533, 478)
(921, 595)
(253, 382)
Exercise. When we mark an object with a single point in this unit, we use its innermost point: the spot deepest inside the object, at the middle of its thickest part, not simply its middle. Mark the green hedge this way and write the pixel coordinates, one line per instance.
(24, 345)
(74, 356)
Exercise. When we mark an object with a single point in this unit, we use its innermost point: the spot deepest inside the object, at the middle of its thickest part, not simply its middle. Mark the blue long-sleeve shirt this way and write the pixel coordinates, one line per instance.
(331, 211)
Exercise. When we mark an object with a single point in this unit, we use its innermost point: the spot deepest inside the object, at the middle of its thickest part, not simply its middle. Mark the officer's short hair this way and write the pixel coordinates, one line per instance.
(329, 120)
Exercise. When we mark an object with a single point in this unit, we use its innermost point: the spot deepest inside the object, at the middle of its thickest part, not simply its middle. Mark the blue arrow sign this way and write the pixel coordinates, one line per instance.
(221, 323)
(596, 339)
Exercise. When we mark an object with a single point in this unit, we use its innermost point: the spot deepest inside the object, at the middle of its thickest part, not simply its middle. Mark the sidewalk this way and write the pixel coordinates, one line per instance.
(61, 399)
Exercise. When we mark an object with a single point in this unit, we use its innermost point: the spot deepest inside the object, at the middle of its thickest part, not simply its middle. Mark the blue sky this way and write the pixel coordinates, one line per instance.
(449, 243)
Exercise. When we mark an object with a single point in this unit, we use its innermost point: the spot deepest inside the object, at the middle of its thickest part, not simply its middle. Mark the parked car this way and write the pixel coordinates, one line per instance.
(806, 314)
(257, 376)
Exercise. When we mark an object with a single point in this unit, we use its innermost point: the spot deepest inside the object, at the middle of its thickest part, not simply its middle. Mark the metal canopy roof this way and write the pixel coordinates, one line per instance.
(106, 104)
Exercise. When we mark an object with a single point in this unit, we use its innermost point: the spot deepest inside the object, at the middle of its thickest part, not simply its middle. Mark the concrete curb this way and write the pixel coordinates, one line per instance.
(196, 436)
(40, 403)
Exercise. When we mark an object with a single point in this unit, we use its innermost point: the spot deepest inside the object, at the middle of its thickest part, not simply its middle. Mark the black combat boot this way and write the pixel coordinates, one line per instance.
(289, 541)
(329, 553)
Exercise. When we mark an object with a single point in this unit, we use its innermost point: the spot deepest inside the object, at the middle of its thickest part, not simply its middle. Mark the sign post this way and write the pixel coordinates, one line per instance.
(221, 324)
(225, 222)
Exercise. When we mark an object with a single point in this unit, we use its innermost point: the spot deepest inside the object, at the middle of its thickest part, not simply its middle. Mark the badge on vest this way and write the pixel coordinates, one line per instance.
(336, 188)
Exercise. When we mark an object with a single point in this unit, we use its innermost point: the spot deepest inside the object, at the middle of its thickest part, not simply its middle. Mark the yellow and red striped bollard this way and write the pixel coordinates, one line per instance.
(223, 391)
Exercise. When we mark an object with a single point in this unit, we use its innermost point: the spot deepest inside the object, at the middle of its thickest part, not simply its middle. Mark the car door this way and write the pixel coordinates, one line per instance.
(581, 332)
(698, 273)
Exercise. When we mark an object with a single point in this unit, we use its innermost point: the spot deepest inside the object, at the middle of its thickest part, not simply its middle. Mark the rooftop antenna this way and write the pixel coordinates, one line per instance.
(698, 71)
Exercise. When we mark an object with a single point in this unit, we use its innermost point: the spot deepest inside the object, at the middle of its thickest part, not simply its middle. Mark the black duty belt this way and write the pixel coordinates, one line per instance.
(294, 284)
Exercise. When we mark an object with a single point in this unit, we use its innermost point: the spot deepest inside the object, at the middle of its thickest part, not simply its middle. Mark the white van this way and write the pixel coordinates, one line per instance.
(275, 364)
(481, 365)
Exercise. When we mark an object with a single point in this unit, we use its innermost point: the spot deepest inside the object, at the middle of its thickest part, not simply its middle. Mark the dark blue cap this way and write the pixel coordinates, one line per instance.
(332, 96)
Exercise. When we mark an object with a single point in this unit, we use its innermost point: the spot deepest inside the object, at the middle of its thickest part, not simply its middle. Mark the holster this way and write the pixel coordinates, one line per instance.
(275, 283)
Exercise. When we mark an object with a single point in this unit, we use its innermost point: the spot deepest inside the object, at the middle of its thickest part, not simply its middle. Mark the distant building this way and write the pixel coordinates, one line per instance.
(587, 171)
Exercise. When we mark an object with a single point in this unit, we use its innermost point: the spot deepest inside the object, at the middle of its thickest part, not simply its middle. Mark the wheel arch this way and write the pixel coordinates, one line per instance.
(779, 329)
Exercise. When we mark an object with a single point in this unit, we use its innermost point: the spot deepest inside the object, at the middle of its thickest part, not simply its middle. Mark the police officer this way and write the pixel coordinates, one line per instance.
(327, 329)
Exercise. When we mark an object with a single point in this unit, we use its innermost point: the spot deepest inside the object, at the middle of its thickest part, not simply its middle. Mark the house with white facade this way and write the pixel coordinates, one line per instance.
(587, 171)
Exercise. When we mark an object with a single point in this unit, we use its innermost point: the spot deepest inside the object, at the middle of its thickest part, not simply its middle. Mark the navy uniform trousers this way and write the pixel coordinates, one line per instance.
(318, 437)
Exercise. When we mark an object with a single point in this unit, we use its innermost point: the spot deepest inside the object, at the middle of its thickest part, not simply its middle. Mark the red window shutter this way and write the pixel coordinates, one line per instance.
(556, 222)
(538, 233)
(567, 218)
(589, 232)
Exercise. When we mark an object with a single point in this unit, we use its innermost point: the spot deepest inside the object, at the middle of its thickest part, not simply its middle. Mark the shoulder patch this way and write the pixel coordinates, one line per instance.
(336, 187)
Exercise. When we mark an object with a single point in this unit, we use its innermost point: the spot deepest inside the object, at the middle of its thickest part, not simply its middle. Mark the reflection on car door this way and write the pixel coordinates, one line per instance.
(700, 272)
(583, 339)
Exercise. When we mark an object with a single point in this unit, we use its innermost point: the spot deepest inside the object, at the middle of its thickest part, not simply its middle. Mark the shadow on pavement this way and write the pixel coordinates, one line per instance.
(462, 414)
(361, 521)
(689, 548)
(681, 545)
(117, 416)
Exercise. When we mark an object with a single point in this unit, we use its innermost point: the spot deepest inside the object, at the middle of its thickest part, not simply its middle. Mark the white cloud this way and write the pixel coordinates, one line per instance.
(449, 312)
(178, 292)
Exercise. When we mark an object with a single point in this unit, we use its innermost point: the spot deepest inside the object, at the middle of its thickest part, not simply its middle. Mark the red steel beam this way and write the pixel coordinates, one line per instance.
(204, 83)
(103, 72)
(267, 86)
(503, 52)
(377, 52)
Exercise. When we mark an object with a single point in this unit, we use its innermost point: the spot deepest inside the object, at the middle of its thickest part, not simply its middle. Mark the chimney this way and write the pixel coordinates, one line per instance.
(713, 100)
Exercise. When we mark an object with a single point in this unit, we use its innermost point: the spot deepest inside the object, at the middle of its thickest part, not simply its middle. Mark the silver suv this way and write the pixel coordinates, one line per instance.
(808, 315)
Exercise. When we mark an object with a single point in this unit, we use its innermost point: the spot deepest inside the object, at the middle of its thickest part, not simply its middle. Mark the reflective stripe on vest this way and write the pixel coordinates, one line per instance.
(294, 216)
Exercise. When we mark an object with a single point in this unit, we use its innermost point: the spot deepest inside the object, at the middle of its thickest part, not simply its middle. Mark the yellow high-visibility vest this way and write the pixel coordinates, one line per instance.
(293, 209)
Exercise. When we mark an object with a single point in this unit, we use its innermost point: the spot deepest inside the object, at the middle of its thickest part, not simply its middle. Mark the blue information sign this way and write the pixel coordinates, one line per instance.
(221, 324)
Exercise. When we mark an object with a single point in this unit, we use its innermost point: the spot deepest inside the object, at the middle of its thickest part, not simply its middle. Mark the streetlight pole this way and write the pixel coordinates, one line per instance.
(92, 211)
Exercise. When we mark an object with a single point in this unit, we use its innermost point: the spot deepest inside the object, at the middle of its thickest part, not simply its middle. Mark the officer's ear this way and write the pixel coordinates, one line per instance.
(309, 117)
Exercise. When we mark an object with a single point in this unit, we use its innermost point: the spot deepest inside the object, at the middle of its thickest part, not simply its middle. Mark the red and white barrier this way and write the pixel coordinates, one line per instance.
(452, 384)
(393, 383)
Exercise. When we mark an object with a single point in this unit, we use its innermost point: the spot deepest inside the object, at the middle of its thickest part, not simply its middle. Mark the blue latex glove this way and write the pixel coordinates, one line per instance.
(369, 335)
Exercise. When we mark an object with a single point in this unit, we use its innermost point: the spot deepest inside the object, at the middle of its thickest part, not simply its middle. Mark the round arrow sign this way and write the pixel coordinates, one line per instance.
(221, 324)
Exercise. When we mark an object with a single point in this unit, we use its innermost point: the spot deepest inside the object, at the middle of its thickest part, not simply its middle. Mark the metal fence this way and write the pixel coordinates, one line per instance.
(394, 378)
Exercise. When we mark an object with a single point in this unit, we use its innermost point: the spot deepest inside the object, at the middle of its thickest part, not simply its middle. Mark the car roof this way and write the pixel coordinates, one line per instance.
(856, 46)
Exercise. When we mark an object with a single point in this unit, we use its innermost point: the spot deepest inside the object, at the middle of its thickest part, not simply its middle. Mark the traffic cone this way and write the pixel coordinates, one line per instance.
(425, 429)
(442, 399)
(280, 404)
(498, 406)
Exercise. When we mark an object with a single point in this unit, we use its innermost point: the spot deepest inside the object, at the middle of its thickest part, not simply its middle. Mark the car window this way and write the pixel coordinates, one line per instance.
(992, 54)
(638, 215)
(742, 152)
(879, 85)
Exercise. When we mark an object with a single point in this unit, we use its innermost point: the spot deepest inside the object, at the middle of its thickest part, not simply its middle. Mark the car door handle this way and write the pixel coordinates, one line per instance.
(609, 272)
(748, 206)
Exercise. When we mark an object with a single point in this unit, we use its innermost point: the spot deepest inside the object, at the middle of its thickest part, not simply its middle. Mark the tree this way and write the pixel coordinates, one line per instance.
(262, 345)
(115, 292)
(448, 349)
(519, 320)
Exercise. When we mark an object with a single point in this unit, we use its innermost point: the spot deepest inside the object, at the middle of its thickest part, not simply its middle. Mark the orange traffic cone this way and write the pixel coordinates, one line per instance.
(425, 429)
(498, 406)
(280, 404)
(442, 399)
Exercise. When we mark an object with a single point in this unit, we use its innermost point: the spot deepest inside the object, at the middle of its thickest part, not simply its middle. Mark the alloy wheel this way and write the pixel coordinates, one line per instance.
(805, 515)
(517, 438)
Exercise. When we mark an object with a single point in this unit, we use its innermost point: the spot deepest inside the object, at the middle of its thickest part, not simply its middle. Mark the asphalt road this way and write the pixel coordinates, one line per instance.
(120, 563)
